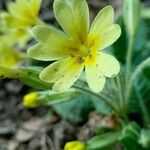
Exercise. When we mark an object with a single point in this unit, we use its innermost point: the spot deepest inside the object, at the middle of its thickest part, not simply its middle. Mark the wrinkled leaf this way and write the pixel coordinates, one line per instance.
(29, 76)
(145, 138)
(75, 110)
(130, 136)
(103, 142)
(101, 106)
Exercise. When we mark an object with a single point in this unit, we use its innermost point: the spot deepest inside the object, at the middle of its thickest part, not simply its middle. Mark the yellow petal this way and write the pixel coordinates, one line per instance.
(103, 20)
(64, 73)
(95, 78)
(107, 65)
(35, 7)
(18, 8)
(13, 10)
(47, 52)
(109, 36)
(103, 28)
(73, 16)
(55, 44)
(8, 57)
(25, 11)
(45, 34)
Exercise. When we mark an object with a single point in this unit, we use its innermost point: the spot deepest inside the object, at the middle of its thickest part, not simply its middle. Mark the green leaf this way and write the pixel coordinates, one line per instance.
(141, 51)
(130, 136)
(146, 72)
(75, 110)
(29, 76)
(145, 138)
(103, 142)
(139, 101)
(101, 106)
(131, 16)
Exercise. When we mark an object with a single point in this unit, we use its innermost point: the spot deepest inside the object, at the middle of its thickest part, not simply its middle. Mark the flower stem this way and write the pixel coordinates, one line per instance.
(102, 97)
(129, 58)
(120, 92)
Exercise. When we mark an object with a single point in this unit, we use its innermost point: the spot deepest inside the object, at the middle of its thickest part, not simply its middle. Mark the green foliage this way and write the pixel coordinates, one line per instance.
(75, 110)
(145, 138)
(29, 76)
(130, 136)
(101, 106)
(103, 142)
(146, 72)
(131, 16)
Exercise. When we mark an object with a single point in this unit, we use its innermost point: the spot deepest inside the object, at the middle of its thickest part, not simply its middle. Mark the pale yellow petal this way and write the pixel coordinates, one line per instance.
(103, 20)
(55, 44)
(29, 8)
(103, 30)
(18, 8)
(70, 76)
(25, 11)
(73, 16)
(13, 10)
(47, 52)
(109, 36)
(64, 73)
(95, 78)
(35, 7)
(53, 72)
(107, 65)
(50, 34)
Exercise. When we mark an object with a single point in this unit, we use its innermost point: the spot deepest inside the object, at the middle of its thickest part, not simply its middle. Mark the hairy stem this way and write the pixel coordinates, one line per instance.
(120, 92)
(102, 97)
(129, 58)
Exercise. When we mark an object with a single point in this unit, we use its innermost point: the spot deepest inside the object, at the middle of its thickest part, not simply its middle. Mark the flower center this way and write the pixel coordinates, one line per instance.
(84, 51)
(87, 51)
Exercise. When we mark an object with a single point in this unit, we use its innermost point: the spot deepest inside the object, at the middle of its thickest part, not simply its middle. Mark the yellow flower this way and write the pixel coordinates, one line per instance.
(79, 47)
(30, 100)
(21, 16)
(74, 145)
(8, 56)
(22, 13)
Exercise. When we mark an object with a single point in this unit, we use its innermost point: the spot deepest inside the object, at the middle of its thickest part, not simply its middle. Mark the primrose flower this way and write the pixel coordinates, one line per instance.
(22, 13)
(8, 56)
(78, 47)
(30, 100)
(74, 145)
(21, 16)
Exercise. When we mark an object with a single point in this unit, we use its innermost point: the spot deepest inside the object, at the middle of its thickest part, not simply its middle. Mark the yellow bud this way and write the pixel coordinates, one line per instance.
(30, 100)
(74, 145)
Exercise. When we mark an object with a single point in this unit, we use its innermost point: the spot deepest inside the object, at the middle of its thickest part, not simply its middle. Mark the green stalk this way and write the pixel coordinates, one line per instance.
(129, 58)
(102, 97)
(121, 95)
